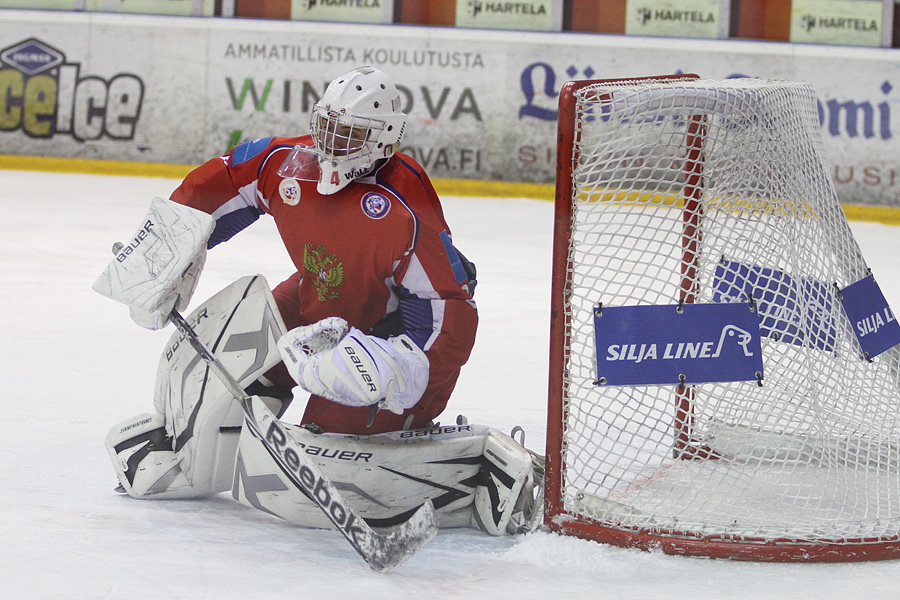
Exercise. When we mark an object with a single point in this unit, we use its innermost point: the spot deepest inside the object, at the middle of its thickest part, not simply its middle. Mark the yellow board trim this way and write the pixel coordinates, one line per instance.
(93, 167)
(889, 215)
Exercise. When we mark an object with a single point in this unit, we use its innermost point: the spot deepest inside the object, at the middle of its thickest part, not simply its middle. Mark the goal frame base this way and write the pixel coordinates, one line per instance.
(716, 547)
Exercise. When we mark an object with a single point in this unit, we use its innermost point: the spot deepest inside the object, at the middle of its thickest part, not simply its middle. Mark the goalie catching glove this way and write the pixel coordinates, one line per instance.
(159, 268)
(344, 365)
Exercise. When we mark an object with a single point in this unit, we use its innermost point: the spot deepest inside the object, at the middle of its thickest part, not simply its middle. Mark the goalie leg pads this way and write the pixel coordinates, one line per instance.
(504, 499)
(384, 477)
(145, 463)
(474, 476)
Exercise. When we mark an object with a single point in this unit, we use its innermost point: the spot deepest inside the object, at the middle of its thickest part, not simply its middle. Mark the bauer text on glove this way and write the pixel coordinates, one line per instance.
(353, 368)
(158, 268)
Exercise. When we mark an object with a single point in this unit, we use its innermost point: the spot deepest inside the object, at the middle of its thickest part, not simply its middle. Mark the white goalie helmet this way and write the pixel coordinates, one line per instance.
(356, 123)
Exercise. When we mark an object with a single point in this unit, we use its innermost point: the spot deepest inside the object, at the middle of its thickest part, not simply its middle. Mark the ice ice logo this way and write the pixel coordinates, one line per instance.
(289, 190)
(45, 96)
(375, 205)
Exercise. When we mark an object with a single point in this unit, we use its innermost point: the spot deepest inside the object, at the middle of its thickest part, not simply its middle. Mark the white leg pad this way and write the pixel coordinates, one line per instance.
(384, 477)
(144, 461)
(240, 324)
(506, 486)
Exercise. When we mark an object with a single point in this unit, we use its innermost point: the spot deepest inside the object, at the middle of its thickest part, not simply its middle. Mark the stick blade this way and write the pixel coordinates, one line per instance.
(382, 549)
(391, 547)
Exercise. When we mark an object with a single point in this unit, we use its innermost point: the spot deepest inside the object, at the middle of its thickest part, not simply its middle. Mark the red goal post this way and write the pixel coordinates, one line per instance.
(669, 189)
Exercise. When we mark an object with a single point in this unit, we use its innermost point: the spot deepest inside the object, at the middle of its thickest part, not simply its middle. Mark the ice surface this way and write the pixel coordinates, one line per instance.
(73, 364)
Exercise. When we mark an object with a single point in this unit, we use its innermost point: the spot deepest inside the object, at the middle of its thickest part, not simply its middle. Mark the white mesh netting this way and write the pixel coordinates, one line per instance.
(811, 456)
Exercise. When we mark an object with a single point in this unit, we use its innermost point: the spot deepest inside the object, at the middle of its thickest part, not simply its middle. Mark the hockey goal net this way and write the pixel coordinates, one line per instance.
(680, 192)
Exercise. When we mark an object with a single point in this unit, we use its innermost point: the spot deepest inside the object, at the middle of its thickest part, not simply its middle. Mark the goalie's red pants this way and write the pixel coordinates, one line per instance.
(337, 418)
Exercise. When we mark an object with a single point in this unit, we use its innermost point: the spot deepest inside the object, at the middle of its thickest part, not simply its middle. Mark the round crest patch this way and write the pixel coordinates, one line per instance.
(375, 205)
(290, 191)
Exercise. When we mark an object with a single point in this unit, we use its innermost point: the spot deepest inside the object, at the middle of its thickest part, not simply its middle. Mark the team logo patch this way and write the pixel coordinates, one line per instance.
(325, 269)
(375, 205)
(290, 191)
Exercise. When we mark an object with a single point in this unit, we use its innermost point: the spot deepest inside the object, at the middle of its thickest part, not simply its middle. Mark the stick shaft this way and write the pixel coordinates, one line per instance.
(206, 354)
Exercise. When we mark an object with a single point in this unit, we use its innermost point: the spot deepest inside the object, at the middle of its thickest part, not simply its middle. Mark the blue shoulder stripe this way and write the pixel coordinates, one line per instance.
(455, 262)
(231, 223)
(247, 150)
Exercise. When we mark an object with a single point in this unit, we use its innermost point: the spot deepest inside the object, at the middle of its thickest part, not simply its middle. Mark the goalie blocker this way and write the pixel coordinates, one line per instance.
(197, 443)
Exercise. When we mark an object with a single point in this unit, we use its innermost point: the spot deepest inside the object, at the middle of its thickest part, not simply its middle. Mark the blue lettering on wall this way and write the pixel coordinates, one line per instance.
(528, 90)
(536, 73)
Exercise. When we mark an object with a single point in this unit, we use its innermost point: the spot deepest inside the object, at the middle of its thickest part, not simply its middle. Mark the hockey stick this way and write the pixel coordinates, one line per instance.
(381, 550)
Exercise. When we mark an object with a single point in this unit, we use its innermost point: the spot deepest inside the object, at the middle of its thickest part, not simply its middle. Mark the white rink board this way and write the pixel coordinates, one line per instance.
(482, 103)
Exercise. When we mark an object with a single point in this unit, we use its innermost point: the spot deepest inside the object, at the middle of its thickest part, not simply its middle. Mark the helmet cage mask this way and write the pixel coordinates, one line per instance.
(341, 137)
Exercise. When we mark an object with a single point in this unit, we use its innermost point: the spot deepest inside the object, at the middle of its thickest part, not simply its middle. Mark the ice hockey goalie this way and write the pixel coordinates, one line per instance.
(194, 443)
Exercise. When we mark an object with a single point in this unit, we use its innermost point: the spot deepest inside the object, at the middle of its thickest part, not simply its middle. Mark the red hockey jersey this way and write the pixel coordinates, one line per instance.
(377, 253)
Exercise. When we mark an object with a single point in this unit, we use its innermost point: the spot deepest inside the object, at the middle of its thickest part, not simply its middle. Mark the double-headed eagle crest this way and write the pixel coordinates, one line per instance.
(326, 270)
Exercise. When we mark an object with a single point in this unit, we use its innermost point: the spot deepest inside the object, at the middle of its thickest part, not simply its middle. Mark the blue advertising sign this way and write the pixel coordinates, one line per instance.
(780, 301)
(870, 317)
(697, 343)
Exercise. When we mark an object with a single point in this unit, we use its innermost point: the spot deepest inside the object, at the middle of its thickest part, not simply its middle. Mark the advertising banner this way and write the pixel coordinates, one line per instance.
(167, 7)
(692, 343)
(853, 22)
(677, 18)
(780, 301)
(536, 15)
(873, 322)
(482, 105)
(44, 4)
(347, 11)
